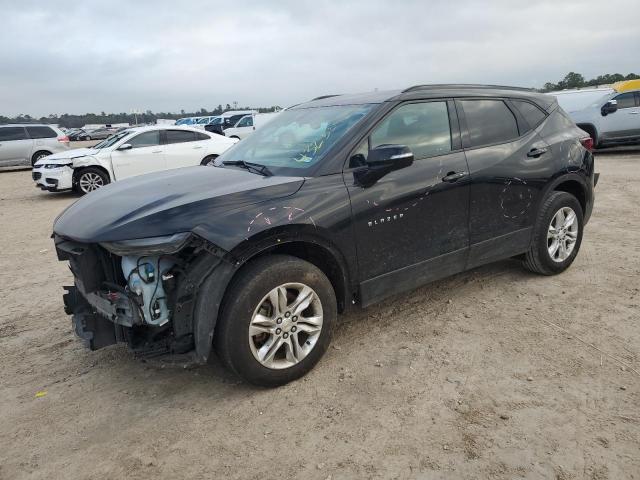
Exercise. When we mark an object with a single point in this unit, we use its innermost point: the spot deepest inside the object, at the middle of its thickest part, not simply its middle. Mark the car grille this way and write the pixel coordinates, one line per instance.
(36, 175)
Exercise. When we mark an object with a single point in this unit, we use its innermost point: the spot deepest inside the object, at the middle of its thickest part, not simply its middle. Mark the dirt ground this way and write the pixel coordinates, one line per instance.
(494, 373)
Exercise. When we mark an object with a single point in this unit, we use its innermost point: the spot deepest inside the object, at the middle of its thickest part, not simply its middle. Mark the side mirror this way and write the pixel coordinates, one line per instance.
(390, 157)
(610, 107)
(381, 161)
(125, 146)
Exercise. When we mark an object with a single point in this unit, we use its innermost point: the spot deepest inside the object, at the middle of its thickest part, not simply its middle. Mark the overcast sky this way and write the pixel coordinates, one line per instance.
(115, 55)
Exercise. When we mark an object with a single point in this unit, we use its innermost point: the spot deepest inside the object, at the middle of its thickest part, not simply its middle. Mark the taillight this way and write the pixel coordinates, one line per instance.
(64, 139)
(587, 142)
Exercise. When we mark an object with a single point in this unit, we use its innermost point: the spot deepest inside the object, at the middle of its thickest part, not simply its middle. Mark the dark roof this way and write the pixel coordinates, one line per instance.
(432, 91)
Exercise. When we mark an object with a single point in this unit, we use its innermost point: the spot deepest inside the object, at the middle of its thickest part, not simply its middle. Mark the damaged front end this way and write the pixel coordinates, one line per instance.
(144, 292)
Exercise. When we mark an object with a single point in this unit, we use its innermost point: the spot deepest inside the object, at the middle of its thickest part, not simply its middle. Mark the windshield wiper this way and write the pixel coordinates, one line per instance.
(256, 167)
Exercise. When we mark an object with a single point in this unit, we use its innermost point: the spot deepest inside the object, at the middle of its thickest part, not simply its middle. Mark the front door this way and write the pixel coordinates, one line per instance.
(145, 155)
(623, 123)
(411, 225)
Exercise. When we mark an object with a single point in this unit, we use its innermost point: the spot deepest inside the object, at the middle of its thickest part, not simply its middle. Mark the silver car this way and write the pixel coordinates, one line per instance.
(26, 144)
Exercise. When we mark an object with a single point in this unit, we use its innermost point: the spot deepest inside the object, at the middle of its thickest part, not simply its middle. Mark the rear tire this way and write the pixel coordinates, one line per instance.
(39, 155)
(89, 179)
(272, 342)
(209, 160)
(557, 235)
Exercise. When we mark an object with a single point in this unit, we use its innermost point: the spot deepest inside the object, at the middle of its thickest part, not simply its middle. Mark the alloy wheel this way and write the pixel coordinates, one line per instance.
(90, 181)
(286, 325)
(562, 234)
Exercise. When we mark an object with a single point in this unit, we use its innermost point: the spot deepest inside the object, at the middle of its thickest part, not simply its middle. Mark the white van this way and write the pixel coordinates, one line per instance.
(248, 124)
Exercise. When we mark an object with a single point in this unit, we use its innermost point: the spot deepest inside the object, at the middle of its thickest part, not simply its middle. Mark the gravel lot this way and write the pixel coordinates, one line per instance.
(494, 373)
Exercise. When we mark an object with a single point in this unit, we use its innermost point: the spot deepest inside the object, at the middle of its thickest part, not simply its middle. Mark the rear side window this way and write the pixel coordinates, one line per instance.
(489, 122)
(41, 132)
(146, 139)
(626, 100)
(12, 133)
(180, 136)
(202, 136)
(532, 114)
(423, 127)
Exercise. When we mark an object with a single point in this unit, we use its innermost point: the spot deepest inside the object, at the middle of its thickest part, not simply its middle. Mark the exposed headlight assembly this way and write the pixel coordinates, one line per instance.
(149, 246)
(56, 165)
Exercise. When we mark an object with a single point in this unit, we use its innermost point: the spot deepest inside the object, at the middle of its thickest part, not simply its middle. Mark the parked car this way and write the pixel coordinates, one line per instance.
(248, 124)
(381, 193)
(226, 120)
(26, 144)
(611, 116)
(76, 134)
(98, 134)
(126, 154)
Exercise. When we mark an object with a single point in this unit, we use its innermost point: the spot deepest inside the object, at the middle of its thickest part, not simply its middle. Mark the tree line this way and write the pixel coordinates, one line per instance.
(577, 80)
(76, 121)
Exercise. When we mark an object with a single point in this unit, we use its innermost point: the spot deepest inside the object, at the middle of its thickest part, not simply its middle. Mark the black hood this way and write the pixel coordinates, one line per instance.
(167, 202)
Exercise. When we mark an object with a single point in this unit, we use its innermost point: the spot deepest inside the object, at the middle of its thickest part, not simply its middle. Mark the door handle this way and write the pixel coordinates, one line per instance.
(635, 113)
(197, 147)
(452, 177)
(536, 152)
(157, 151)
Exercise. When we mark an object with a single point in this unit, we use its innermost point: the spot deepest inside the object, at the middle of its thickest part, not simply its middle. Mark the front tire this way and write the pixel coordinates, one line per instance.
(90, 179)
(276, 320)
(557, 235)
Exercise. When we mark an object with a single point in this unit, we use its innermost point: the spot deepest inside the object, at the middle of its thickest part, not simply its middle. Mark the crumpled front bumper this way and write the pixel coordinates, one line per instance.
(53, 179)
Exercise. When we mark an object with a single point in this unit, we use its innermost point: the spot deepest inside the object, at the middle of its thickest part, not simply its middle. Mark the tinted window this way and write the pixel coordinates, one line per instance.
(146, 139)
(12, 133)
(202, 136)
(423, 127)
(626, 100)
(180, 136)
(489, 121)
(532, 114)
(41, 132)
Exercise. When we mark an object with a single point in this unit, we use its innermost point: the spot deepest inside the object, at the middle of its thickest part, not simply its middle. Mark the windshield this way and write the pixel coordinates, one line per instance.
(107, 142)
(296, 139)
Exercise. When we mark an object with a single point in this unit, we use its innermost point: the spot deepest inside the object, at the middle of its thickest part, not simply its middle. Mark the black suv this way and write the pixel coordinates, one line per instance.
(343, 200)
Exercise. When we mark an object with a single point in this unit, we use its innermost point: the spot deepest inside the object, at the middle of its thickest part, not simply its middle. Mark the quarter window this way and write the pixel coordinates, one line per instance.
(626, 100)
(12, 133)
(41, 132)
(489, 121)
(423, 127)
(532, 114)
(202, 136)
(146, 139)
(180, 136)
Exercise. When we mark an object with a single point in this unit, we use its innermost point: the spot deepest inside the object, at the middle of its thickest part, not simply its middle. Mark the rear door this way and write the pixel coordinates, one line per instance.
(184, 148)
(145, 156)
(509, 164)
(15, 146)
(625, 122)
(44, 138)
(411, 225)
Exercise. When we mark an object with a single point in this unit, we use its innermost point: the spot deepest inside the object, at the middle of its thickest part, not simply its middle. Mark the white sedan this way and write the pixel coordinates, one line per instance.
(128, 153)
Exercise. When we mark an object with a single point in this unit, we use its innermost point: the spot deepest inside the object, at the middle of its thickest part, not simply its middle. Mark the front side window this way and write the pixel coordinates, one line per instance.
(180, 136)
(146, 139)
(41, 132)
(298, 138)
(245, 122)
(12, 133)
(423, 127)
(626, 100)
(489, 122)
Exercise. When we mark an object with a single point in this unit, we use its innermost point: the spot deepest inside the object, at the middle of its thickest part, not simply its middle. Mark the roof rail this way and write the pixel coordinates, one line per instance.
(322, 97)
(463, 85)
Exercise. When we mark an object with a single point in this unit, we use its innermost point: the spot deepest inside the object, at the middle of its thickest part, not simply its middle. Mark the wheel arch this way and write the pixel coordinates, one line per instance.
(78, 170)
(577, 186)
(303, 245)
(35, 154)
